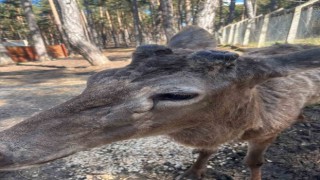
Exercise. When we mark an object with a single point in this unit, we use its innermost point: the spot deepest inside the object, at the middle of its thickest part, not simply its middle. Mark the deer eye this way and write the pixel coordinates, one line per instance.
(174, 96)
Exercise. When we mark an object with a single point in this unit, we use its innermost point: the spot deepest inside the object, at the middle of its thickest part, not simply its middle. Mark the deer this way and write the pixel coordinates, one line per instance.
(199, 98)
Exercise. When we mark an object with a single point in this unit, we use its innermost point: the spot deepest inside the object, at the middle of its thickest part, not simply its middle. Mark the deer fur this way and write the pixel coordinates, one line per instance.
(199, 98)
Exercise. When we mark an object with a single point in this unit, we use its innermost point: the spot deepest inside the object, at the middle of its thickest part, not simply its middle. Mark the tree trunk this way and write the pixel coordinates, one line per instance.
(180, 13)
(136, 21)
(126, 28)
(249, 9)
(157, 20)
(195, 9)
(123, 34)
(84, 24)
(58, 23)
(188, 12)
(232, 8)
(113, 30)
(167, 16)
(221, 20)
(206, 14)
(91, 26)
(35, 31)
(273, 5)
(72, 24)
(101, 28)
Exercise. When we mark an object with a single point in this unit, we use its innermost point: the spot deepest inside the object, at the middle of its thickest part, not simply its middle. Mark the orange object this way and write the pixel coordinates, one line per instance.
(28, 53)
(57, 51)
(22, 53)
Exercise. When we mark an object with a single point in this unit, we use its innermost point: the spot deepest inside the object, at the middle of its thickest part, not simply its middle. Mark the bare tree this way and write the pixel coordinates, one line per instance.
(180, 14)
(76, 35)
(34, 31)
(167, 16)
(188, 12)
(88, 14)
(273, 5)
(232, 8)
(205, 17)
(250, 12)
(122, 29)
(221, 20)
(157, 31)
(112, 28)
(58, 23)
(136, 22)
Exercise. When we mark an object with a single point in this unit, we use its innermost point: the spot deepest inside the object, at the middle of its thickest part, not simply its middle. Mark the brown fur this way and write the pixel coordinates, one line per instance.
(193, 37)
(199, 101)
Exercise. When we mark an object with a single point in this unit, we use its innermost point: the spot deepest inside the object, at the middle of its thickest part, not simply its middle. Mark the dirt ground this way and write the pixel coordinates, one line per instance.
(28, 88)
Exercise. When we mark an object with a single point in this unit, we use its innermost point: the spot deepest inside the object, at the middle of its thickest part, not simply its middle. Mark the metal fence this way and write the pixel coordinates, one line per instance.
(298, 25)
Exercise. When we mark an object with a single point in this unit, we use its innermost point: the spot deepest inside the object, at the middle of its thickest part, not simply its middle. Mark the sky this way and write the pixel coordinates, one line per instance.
(227, 2)
(33, 1)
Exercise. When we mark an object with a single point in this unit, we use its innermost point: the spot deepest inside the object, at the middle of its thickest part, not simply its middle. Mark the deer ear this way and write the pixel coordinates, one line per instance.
(193, 37)
(255, 70)
(150, 50)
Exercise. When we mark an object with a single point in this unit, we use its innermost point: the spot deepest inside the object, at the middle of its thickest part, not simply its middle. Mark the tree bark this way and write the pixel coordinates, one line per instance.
(249, 9)
(180, 13)
(188, 12)
(136, 21)
(221, 20)
(122, 31)
(195, 10)
(167, 16)
(58, 23)
(84, 24)
(273, 5)
(101, 28)
(113, 30)
(206, 14)
(157, 20)
(91, 26)
(232, 8)
(126, 28)
(72, 24)
(35, 31)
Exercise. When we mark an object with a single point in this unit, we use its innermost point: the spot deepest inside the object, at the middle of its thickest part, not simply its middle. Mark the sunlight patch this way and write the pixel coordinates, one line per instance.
(101, 177)
(3, 102)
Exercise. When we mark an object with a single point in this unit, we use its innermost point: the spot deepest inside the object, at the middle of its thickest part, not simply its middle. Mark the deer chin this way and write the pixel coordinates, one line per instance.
(15, 167)
(11, 163)
(38, 155)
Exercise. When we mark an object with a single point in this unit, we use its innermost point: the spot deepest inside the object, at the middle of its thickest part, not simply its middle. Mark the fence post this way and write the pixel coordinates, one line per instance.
(247, 33)
(295, 21)
(294, 25)
(224, 34)
(236, 33)
(231, 34)
(264, 30)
